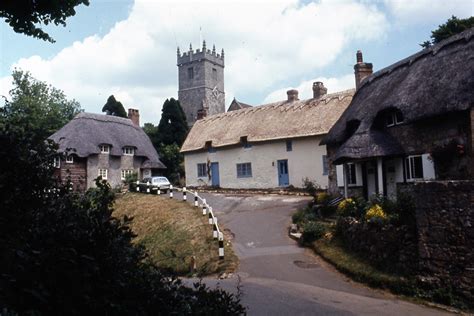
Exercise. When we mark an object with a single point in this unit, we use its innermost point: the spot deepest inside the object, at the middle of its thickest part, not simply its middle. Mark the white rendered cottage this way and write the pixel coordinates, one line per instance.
(267, 146)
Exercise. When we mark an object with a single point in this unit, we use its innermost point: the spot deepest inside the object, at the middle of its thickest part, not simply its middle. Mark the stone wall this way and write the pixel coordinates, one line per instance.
(385, 245)
(445, 219)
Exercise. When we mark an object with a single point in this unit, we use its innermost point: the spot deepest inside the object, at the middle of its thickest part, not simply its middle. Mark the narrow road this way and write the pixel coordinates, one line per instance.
(277, 277)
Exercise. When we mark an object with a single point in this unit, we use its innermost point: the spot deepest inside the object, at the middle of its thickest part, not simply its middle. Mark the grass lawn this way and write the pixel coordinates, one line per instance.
(173, 232)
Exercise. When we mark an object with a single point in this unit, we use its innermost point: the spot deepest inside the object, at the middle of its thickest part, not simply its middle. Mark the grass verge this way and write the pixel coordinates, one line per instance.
(175, 234)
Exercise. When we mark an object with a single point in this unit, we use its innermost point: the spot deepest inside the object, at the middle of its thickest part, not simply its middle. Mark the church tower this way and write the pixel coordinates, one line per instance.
(201, 82)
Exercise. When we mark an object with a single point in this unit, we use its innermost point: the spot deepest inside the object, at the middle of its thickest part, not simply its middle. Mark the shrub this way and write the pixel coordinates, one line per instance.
(310, 186)
(347, 207)
(375, 212)
(298, 217)
(312, 231)
(327, 210)
(322, 198)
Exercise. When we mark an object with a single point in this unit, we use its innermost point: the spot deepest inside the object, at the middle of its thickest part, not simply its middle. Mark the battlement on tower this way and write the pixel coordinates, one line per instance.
(200, 54)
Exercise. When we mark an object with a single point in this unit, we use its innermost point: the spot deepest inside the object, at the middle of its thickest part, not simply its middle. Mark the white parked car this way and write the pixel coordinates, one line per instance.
(158, 182)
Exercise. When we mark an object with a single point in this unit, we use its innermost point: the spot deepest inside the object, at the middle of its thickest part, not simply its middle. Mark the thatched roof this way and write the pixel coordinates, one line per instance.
(237, 105)
(273, 121)
(87, 131)
(432, 82)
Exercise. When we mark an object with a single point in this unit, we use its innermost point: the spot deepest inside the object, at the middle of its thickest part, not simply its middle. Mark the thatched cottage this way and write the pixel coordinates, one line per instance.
(107, 146)
(411, 121)
(266, 146)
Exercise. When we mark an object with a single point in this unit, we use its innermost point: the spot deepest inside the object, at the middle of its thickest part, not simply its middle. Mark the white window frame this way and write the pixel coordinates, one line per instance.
(351, 180)
(57, 162)
(244, 170)
(103, 173)
(128, 151)
(394, 119)
(104, 149)
(125, 172)
(410, 168)
(69, 159)
(201, 167)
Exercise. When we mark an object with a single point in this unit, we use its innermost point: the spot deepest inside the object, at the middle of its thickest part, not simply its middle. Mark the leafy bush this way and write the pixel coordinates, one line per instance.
(298, 216)
(347, 207)
(322, 198)
(375, 212)
(312, 231)
(328, 210)
(304, 215)
(131, 178)
(310, 186)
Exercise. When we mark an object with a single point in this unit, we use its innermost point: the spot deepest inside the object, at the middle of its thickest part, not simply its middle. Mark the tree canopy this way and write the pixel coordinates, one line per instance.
(24, 16)
(451, 27)
(44, 107)
(114, 107)
(173, 126)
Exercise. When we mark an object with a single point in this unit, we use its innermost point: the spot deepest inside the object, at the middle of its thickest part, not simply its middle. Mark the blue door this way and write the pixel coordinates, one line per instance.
(283, 179)
(215, 174)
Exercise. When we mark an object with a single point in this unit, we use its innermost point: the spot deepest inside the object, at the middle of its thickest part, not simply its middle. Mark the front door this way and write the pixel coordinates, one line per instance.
(371, 168)
(283, 179)
(215, 174)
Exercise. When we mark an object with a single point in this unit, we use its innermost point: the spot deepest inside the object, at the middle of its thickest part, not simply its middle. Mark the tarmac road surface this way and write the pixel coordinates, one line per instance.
(277, 277)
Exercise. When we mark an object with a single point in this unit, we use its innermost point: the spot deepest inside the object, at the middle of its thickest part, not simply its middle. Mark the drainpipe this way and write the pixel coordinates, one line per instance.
(379, 176)
(344, 175)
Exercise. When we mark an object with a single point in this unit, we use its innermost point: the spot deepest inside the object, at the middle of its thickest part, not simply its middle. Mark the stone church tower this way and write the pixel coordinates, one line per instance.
(201, 82)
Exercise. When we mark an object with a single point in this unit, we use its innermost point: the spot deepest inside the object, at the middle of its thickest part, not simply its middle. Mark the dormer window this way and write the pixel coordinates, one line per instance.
(104, 149)
(69, 159)
(128, 151)
(244, 142)
(351, 128)
(393, 118)
(57, 162)
(209, 147)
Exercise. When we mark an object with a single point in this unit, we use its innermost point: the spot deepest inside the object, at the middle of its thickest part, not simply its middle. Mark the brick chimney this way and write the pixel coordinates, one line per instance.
(134, 115)
(292, 95)
(319, 89)
(361, 69)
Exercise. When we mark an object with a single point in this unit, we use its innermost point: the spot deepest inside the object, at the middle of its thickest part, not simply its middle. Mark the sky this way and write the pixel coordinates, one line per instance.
(128, 47)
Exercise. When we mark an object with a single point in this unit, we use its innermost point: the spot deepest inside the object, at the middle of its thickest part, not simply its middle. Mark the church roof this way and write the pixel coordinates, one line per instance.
(86, 131)
(237, 105)
(279, 120)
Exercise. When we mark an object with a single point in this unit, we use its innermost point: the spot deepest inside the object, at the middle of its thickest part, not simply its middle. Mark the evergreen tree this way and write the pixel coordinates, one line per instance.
(173, 127)
(451, 27)
(114, 107)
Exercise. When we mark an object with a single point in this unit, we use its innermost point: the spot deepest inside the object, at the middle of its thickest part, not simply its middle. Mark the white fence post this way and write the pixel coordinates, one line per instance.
(158, 191)
(215, 232)
(138, 186)
(196, 204)
(184, 194)
(148, 187)
(221, 245)
(171, 191)
(210, 215)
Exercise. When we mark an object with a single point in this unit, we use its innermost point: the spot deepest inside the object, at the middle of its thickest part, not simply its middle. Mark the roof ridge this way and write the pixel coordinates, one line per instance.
(106, 118)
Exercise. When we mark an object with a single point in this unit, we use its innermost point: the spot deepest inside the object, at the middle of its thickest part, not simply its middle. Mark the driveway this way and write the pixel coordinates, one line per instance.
(277, 277)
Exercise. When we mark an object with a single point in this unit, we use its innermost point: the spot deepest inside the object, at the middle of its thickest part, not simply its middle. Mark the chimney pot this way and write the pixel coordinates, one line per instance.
(361, 70)
(134, 115)
(292, 95)
(319, 89)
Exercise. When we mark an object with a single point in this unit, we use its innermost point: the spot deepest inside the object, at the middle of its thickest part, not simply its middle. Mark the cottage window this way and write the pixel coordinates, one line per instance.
(126, 172)
(244, 170)
(128, 151)
(351, 174)
(190, 73)
(394, 118)
(414, 167)
(289, 145)
(202, 170)
(325, 165)
(69, 159)
(214, 74)
(57, 162)
(104, 149)
(103, 174)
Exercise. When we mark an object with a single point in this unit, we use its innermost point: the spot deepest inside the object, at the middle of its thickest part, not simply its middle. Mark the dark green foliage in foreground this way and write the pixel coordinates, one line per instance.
(114, 107)
(451, 27)
(64, 254)
(24, 16)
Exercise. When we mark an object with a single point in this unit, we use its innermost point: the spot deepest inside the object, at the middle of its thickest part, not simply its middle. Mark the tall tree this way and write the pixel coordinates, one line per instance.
(24, 16)
(448, 29)
(114, 107)
(173, 126)
(44, 107)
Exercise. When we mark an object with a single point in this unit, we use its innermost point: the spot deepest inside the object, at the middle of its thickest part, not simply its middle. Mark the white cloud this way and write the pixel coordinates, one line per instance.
(266, 43)
(305, 88)
(428, 11)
